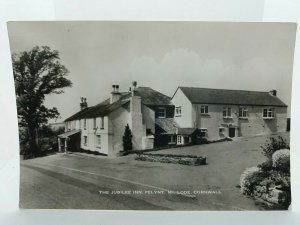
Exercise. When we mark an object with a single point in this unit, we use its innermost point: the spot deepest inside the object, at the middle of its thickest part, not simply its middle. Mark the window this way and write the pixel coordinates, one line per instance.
(149, 132)
(85, 140)
(84, 124)
(243, 112)
(204, 109)
(227, 112)
(161, 112)
(98, 141)
(221, 130)
(102, 122)
(268, 113)
(179, 139)
(173, 139)
(178, 111)
(68, 126)
(95, 124)
(203, 132)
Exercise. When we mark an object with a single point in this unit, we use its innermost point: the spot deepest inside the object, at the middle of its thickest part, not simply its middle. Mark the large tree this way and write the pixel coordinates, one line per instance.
(37, 73)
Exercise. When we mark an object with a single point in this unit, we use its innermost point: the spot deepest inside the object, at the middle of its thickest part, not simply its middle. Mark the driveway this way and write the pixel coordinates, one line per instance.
(81, 181)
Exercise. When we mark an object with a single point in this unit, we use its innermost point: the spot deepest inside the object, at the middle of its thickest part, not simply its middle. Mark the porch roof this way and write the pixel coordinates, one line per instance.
(68, 134)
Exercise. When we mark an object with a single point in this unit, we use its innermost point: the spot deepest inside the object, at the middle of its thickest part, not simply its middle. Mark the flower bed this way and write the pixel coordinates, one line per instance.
(190, 160)
(269, 182)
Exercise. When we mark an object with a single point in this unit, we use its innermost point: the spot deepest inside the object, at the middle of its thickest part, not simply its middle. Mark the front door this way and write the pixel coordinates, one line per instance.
(231, 132)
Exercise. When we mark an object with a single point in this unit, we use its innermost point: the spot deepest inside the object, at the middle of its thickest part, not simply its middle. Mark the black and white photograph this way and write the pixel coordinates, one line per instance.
(153, 115)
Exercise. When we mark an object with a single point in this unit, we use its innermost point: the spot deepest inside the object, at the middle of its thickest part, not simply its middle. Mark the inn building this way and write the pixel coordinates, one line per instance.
(157, 120)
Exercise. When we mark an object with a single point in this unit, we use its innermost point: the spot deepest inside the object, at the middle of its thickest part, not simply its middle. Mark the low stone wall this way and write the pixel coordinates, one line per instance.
(190, 160)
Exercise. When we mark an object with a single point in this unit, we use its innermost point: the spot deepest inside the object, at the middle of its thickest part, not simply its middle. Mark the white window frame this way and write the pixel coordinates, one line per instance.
(85, 140)
(243, 112)
(98, 139)
(164, 112)
(227, 114)
(204, 109)
(178, 111)
(270, 113)
(179, 139)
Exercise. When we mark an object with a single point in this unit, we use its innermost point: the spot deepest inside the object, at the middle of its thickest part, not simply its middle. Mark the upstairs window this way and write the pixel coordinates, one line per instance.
(178, 111)
(84, 124)
(226, 112)
(161, 112)
(204, 109)
(102, 123)
(95, 124)
(243, 112)
(268, 113)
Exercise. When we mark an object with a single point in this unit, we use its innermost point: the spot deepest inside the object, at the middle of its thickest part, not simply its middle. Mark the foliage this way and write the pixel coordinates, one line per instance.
(249, 178)
(274, 144)
(37, 73)
(127, 139)
(281, 160)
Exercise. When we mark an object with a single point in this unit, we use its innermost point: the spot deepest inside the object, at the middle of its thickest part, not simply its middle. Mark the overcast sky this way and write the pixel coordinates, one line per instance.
(163, 56)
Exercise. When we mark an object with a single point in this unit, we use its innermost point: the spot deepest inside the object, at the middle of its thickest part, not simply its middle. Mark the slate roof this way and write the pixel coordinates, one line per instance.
(148, 97)
(167, 124)
(230, 97)
(186, 131)
(97, 110)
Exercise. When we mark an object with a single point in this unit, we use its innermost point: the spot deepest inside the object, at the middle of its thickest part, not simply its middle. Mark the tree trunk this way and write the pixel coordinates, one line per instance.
(32, 137)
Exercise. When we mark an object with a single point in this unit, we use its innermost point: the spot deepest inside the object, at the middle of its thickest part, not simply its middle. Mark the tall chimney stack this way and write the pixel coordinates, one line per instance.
(83, 103)
(273, 92)
(115, 94)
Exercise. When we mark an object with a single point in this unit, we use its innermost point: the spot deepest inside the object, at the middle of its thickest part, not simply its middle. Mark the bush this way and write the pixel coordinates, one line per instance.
(274, 144)
(281, 159)
(266, 166)
(249, 178)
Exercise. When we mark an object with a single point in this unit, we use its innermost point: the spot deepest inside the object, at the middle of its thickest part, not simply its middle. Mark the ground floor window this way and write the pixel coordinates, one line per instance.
(179, 139)
(221, 130)
(172, 139)
(98, 141)
(203, 132)
(85, 140)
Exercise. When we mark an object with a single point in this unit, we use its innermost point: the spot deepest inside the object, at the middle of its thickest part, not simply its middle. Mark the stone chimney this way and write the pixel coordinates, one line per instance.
(273, 92)
(136, 122)
(115, 94)
(83, 103)
(133, 89)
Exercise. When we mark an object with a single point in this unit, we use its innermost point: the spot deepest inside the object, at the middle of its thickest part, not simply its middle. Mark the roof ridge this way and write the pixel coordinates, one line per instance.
(222, 89)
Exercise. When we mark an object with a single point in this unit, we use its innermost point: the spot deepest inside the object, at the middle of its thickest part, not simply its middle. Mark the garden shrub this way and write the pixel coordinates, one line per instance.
(249, 178)
(274, 144)
(281, 159)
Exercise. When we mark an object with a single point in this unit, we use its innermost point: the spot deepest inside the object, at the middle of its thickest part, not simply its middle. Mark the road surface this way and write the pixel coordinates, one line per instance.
(78, 181)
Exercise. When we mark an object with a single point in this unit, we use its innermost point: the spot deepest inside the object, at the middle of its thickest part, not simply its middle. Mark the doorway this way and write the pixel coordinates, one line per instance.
(231, 132)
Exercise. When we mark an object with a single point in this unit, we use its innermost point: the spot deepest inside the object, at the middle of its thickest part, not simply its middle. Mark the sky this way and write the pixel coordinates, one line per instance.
(163, 56)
